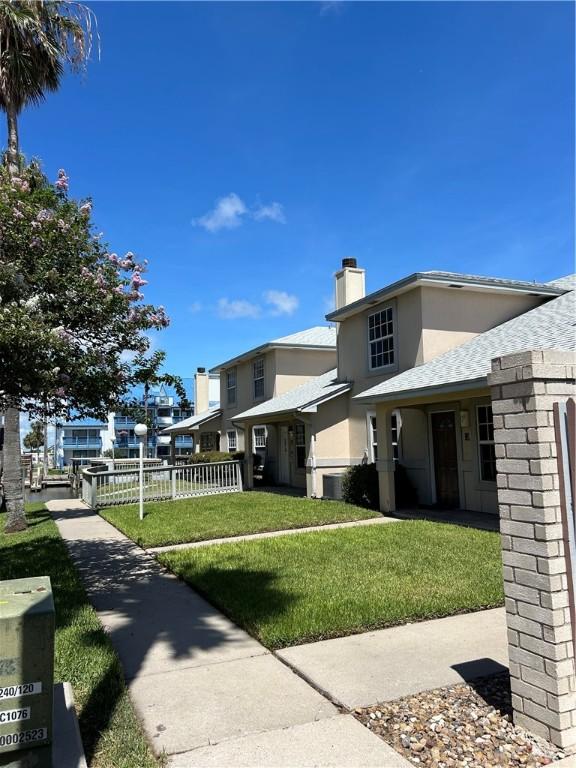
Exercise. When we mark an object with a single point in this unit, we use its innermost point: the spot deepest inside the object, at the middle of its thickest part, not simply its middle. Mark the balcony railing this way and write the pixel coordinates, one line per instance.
(82, 442)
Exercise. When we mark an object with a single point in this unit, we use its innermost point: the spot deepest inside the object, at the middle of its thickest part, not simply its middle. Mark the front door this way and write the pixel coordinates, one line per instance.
(284, 457)
(445, 459)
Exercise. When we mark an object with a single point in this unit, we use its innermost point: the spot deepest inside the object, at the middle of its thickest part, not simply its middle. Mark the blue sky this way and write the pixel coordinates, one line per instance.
(245, 148)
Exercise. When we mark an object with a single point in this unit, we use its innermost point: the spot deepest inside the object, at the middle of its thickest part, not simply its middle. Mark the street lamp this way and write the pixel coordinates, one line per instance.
(140, 431)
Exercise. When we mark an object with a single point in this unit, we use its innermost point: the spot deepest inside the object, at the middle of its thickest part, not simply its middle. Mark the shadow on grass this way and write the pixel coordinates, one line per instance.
(141, 606)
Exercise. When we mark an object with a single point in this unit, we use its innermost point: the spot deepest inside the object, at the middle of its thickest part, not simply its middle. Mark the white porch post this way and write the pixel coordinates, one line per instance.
(385, 463)
(248, 460)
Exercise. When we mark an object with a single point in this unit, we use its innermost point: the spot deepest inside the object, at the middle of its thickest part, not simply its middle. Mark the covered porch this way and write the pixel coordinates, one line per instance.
(204, 427)
(440, 453)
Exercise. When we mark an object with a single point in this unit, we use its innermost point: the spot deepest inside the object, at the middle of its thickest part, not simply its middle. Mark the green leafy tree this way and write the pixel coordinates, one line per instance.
(35, 438)
(69, 311)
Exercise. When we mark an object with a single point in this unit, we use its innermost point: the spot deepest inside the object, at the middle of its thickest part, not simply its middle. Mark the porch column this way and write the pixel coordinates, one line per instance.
(248, 460)
(385, 463)
(536, 568)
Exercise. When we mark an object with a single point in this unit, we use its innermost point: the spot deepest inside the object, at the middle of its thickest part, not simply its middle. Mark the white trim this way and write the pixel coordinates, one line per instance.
(491, 483)
(234, 447)
(255, 427)
(370, 436)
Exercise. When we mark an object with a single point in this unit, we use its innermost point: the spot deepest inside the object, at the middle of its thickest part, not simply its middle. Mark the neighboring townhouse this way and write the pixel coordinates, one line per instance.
(252, 378)
(447, 432)
(332, 422)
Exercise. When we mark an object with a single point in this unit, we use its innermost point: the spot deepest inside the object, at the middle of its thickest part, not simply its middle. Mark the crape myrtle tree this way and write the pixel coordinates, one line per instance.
(72, 315)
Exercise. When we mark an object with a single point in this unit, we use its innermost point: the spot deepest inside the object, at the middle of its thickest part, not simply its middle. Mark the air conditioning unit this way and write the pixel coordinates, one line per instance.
(332, 487)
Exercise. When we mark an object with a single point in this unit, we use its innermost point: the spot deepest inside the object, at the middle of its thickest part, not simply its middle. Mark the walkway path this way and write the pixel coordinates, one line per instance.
(388, 664)
(208, 694)
(273, 534)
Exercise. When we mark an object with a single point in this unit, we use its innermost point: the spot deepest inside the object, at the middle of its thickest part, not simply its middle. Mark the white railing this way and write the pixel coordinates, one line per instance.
(121, 486)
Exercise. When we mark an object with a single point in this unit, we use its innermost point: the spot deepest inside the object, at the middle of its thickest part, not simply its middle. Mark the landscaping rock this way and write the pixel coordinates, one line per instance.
(461, 726)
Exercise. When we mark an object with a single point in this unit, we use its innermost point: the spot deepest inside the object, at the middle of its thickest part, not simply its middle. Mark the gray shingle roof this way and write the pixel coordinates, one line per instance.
(452, 280)
(317, 337)
(549, 326)
(193, 421)
(312, 392)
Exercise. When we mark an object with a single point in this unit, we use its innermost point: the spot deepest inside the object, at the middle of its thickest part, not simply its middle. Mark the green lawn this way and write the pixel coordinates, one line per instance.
(111, 733)
(227, 514)
(300, 588)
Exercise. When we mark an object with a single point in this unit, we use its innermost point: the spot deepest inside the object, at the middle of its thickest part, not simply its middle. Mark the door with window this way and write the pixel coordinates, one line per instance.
(445, 459)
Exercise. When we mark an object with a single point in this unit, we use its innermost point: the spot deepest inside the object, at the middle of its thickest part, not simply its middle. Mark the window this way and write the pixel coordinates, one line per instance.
(258, 376)
(300, 441)
(231, 386)
(209, 441)
(259, 437)
(487, 454)
(232, 442)
(381, 338)
(373, 436)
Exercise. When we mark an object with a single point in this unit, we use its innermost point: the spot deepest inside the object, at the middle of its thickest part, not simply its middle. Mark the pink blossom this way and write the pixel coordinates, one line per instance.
(62, 181)
(86, 209)
(17, 214)
(138, 281)
(113, 258)
(44, 215)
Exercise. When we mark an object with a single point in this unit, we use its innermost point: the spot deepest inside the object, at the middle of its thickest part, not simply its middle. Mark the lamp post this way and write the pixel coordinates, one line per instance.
(140, 431)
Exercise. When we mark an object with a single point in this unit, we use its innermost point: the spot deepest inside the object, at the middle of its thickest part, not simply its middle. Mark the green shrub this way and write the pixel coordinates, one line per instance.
(360, 486)
(209, 457)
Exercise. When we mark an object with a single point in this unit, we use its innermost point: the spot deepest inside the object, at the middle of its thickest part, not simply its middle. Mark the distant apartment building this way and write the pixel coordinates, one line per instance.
(90, 438)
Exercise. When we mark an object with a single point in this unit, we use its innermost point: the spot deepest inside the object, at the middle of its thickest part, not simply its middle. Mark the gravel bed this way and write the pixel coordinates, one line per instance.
(461, 726)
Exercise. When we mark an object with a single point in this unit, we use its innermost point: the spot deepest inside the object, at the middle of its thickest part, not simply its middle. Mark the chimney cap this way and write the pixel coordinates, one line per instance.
(201, 370)
(349, 262)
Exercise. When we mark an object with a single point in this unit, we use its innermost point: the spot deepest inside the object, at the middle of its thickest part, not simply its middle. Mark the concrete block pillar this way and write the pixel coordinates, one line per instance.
(385, 462)
(542, 670)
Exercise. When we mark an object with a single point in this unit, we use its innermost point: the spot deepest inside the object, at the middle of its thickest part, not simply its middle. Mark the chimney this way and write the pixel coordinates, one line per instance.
(350, 283)
(202, 398)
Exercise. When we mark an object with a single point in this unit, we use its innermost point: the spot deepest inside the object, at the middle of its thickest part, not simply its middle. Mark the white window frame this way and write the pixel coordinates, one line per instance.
(481, 442)
(257, 377)
(232, 443)
(261, 441)
(299, 442)
(386, 339)
(372, 437)
(231, 374)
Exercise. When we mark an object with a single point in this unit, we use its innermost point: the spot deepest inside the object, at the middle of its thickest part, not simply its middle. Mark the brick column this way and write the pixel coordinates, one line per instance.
(524, 388)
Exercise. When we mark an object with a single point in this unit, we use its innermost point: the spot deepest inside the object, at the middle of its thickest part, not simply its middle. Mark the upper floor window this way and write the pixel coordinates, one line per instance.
(258, 377)
(231, 386)
(487, 454)
(259, 436)
(300, 442)
(381, 338)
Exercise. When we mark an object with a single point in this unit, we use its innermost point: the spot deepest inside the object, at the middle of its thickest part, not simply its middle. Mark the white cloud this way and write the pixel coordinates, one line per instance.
(282, 303)
(331, 6)
(272, 212)
(227, 214)
(230, 211)
(196, 306)
(329, 303)
(231, 310)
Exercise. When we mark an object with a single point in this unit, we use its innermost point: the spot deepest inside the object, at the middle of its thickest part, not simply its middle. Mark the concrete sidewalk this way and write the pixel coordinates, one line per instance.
(274, 534)
(360, 670)
(208, 694)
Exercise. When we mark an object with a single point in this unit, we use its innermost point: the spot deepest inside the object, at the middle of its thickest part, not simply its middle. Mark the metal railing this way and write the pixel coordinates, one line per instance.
(121, 486)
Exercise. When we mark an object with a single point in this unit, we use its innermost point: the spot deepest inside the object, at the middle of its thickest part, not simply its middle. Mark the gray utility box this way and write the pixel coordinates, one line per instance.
(26, 663)
(332, 486)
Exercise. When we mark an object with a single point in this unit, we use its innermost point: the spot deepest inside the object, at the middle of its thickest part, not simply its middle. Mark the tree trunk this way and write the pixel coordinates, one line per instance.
(13, 150)
(13, 479)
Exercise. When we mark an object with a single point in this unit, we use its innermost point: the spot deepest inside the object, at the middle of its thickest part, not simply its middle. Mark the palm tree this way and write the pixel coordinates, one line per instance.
(38, 39)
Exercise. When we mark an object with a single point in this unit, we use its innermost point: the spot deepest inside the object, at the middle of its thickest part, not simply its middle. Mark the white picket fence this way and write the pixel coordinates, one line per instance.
(121, 486)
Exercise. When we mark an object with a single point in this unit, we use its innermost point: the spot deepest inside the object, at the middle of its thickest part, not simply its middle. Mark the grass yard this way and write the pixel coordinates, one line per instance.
(227, 514)
(294, 589)
(111, 733)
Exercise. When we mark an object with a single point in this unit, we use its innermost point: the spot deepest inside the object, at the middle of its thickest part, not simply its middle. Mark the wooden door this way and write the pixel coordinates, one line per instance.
(445, 459)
